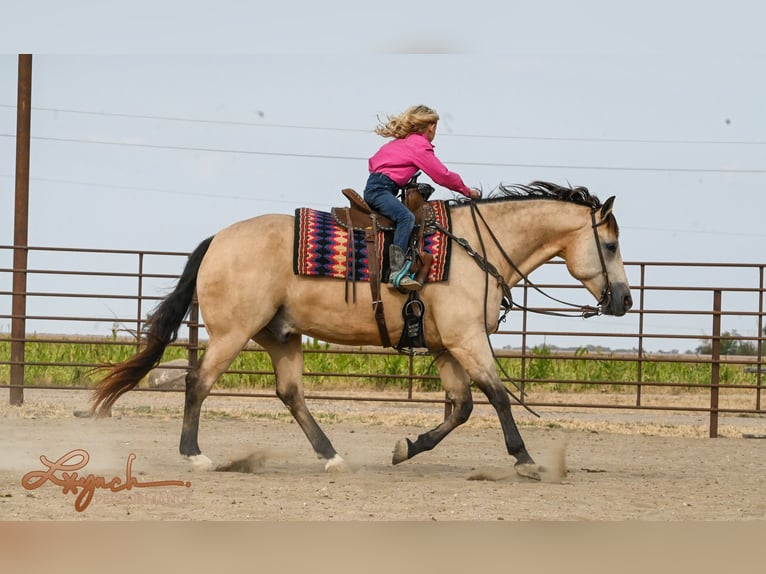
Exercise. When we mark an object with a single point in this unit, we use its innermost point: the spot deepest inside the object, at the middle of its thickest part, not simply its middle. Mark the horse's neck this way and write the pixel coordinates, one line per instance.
(530, 232)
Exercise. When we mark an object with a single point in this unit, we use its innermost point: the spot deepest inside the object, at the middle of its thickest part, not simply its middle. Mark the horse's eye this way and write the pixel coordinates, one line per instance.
(611, 247)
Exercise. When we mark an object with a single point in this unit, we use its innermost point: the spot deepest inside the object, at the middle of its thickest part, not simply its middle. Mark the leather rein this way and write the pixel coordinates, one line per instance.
(584, 311)
(507, 302)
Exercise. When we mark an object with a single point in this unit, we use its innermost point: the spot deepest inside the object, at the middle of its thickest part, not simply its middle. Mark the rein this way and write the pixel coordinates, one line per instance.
(507, 303)
(586, 311)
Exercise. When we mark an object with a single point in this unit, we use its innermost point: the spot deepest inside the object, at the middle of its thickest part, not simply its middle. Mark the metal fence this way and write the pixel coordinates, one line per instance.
(714, 310)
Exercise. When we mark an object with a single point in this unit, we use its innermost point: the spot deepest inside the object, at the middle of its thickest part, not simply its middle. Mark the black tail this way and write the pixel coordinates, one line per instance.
(162, 329)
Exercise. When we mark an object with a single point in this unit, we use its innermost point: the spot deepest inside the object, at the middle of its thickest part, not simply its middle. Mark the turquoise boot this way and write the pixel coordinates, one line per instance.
(399, 275)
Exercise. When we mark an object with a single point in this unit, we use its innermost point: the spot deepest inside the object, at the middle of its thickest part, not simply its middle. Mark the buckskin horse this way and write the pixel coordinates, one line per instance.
(246, 288)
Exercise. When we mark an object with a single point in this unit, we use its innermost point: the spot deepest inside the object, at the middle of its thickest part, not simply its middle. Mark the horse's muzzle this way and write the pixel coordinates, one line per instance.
(617, 301)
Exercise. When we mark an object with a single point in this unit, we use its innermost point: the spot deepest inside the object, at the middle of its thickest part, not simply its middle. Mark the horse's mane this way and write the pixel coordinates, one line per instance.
(578, 195)
(545, 190)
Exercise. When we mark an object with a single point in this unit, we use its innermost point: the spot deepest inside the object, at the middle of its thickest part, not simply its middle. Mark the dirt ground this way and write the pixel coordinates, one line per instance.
(602, 465)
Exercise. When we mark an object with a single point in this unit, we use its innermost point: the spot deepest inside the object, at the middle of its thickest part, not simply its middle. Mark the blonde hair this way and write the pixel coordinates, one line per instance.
(414, 119)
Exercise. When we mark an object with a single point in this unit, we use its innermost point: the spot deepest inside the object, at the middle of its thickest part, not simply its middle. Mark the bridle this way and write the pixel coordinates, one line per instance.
(507, 303)
(606, 293)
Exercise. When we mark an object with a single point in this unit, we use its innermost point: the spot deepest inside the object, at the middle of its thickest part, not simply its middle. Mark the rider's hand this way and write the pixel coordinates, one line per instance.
(475, 193)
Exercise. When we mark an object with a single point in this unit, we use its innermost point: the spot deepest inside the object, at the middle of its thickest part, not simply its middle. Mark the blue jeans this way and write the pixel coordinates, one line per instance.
(380, 194)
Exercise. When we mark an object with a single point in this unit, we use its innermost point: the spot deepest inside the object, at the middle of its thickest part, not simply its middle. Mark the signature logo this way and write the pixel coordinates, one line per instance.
(63, 473)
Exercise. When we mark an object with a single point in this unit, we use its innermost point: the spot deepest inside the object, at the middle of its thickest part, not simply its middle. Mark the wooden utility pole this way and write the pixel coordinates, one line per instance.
(20, 230)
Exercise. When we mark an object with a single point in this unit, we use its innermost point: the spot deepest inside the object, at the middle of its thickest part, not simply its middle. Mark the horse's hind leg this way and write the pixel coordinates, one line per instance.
(457, 385)
(287, 358)
(219, 355)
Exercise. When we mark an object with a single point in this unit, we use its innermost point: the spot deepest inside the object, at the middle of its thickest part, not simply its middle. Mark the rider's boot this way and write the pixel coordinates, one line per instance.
(399, 275)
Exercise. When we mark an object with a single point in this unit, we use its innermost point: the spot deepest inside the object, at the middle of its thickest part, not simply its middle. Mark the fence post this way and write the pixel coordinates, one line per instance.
(640, 361)
(715, 365)
(20, 230)
(759, 365)
(410, 373)
(139, 302)
(523, 371)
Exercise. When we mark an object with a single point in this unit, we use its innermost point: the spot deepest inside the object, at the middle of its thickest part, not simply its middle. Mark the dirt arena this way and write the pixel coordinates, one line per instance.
(601, 466)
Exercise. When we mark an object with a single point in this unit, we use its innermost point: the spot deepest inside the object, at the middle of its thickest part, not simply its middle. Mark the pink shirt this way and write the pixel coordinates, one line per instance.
(399, 159)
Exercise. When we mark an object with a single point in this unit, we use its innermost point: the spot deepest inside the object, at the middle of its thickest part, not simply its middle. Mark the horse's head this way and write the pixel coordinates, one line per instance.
(593, 257)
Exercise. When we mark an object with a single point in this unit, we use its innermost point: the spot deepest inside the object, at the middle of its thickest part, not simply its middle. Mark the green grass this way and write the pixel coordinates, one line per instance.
(72, 362)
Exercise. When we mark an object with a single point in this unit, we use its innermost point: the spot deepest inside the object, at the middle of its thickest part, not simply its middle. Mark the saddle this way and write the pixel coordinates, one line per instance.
(359, 216)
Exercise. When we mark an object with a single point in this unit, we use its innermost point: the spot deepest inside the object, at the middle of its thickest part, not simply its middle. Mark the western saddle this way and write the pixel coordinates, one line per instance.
(359, 216)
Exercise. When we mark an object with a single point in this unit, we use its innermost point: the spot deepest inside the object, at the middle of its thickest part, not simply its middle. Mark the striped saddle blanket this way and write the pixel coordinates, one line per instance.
(321, 247)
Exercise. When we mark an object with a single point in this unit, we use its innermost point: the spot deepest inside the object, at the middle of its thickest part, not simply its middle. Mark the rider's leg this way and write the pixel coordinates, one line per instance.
(380, 196)
(400, 276)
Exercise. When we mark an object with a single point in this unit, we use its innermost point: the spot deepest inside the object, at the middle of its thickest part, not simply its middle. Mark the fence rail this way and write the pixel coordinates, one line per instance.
(102, 296)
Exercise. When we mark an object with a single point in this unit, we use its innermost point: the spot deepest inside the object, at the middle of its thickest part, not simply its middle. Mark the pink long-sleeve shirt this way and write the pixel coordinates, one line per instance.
(399, 159)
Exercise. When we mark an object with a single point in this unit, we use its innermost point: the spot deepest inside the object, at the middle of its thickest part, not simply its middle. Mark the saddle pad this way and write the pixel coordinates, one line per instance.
(321, 247)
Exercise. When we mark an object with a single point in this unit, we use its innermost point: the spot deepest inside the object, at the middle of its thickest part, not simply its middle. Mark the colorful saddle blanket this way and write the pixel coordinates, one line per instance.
(321, 247)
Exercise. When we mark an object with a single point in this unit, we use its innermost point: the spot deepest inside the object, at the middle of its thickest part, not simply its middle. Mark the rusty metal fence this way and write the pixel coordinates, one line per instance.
(715, 310)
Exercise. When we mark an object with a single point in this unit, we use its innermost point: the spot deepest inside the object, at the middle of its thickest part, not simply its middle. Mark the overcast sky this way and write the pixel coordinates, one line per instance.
(167, 124)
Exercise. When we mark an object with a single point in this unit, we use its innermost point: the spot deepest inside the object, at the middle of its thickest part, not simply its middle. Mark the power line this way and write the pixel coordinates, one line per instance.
(364, 158)
(303, 203)
(160, 190)
(191, 148)
(193, 120)
(367, 131)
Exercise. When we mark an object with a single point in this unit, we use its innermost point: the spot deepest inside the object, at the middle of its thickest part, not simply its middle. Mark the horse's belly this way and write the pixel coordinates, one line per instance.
(318, 308)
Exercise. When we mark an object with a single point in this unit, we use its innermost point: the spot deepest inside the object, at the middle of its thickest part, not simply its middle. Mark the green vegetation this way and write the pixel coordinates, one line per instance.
(71, 362)
(731, 343)
(585, 371)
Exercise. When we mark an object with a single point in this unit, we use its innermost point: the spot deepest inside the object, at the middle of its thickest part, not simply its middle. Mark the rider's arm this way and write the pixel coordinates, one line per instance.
(426, 160)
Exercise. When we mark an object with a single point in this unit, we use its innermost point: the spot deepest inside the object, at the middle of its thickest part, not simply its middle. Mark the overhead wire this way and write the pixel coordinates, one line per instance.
(364, 158)
(361, 130)
(361, 158)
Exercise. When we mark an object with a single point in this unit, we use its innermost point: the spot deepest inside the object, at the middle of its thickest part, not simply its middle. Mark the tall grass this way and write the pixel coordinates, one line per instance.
(606, 372)
(71, 362)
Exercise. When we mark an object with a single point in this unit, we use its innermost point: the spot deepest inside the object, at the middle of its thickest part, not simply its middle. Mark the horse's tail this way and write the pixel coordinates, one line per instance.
(162, 329)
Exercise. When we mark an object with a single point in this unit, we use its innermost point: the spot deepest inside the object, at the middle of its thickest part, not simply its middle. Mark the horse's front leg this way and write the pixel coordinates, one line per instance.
(499, 399)
(479, 363)
(287, 358)
(457, 385)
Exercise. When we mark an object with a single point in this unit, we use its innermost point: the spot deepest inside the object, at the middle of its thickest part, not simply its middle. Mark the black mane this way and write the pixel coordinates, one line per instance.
(545, 190)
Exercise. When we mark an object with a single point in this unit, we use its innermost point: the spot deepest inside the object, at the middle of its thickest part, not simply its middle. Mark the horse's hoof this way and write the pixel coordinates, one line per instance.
(528, 470)
(401, 451)
(336, 465)
(200, 462)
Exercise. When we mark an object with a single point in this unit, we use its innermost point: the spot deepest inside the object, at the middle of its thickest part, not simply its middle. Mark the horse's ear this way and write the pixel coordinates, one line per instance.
(606, 209)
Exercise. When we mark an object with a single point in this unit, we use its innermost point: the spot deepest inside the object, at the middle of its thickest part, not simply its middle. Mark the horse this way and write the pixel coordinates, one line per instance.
(247, 290)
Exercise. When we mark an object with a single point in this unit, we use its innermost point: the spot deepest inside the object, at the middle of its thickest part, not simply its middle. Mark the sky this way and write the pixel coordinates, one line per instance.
(156, 125)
